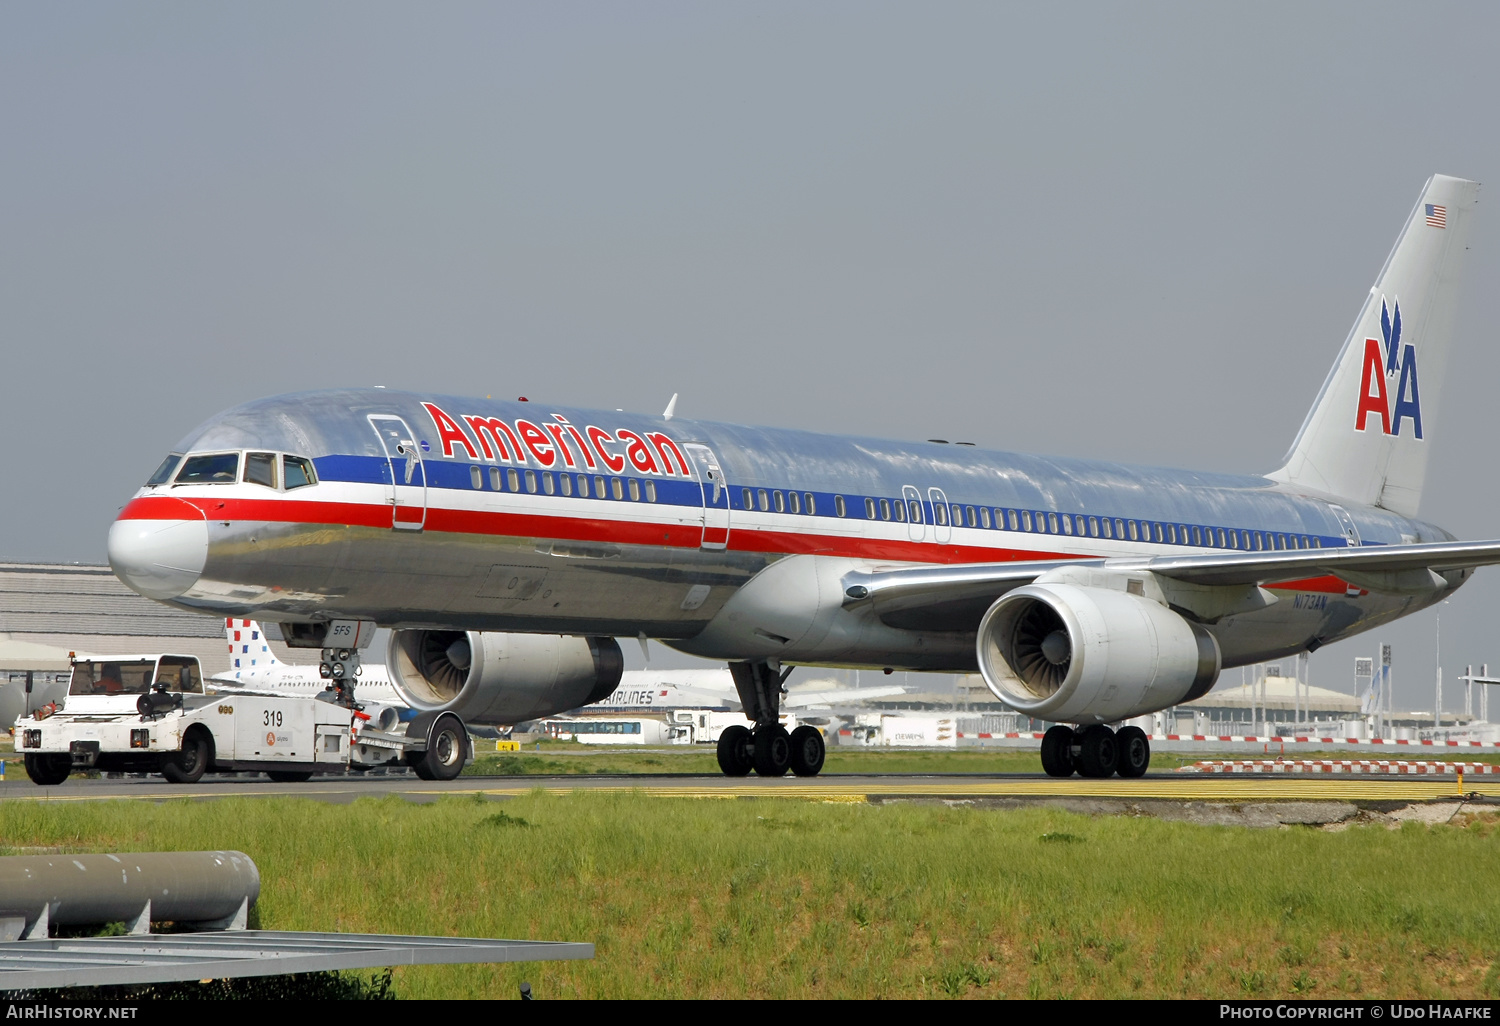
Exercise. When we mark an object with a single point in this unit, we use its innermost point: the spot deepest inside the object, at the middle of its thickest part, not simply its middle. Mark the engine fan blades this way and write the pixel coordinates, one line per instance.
(436, 665)
(1038, 655)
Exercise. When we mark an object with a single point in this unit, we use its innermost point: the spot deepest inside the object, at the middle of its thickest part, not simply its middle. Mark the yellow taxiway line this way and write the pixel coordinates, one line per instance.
(1170, 788)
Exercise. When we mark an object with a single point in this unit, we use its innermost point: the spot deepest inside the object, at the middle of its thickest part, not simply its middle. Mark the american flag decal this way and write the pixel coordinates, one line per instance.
(1437, 216)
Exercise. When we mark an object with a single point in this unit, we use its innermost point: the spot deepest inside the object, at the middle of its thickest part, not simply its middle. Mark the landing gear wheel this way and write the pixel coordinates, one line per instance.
(808, 751)
(48, 769)
(447, 744)
(1098, 752)
(289, 776)
(735, 751)
(189, 765)
(1057, 751)
(1134, 750)
(773, 751)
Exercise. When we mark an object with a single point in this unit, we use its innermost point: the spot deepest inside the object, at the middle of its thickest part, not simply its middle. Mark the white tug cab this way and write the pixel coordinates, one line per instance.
(153, 714)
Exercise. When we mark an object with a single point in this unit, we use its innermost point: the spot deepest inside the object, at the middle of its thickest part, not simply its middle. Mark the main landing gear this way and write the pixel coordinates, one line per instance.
(767, 749)
(1095, 751)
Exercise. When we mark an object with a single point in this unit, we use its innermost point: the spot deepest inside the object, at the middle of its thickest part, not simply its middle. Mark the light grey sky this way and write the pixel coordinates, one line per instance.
(1135, 231)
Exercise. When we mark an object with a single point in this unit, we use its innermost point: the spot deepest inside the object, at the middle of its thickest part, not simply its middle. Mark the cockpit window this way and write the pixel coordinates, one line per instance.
(260, 468)
(216, 468)
(164, 472)
(297, 471)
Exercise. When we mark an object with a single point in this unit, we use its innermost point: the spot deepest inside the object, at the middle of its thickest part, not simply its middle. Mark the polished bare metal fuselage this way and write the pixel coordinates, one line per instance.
(509, 559)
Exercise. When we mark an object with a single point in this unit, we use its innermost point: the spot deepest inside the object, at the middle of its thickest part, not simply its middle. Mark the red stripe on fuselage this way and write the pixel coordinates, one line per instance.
(626, 532)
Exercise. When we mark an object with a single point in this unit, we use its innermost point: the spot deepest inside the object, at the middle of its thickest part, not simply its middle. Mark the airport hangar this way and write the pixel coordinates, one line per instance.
(50, 609)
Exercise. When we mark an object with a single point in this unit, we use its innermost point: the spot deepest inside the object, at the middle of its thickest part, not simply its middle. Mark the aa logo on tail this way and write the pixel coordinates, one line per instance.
(1375, 395)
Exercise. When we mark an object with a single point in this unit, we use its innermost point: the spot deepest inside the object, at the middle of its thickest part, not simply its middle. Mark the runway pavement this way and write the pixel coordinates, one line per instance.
(830, 787)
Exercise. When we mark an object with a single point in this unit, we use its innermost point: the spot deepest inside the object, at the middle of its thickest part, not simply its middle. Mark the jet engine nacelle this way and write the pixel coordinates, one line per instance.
(495, 678)
(1076, 654)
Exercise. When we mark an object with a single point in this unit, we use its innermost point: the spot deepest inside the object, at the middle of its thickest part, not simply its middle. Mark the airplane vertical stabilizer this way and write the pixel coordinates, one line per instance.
(1366, 438)
(250, 657)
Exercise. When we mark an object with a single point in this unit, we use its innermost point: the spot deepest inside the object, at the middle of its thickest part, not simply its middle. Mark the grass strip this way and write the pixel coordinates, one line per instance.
(752, 897)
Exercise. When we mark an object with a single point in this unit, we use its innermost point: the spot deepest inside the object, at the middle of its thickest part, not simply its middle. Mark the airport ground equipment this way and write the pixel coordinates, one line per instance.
(165, 958)
(150, 714)
(209, 890)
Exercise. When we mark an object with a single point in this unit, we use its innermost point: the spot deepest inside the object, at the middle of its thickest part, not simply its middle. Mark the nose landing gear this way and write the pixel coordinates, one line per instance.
(1095, 752)
(767, 749)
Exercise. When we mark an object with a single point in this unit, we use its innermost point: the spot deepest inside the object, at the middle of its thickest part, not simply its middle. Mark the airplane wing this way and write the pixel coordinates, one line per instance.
(838, 696)
(939, 597)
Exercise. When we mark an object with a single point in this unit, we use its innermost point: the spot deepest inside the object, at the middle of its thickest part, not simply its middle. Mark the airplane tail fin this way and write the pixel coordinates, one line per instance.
(249, 654)
(1366, 438)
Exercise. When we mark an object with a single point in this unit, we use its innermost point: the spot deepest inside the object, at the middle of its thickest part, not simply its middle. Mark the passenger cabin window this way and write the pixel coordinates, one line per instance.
(763, 499)
(650, 491)
(899, 508)
(984, 517)
(1133, 535)
(548, 485)
(260, 468)
(635, 490)
(164, 472)
(495, 479)
(216, 468)
(1106, 528)
(940, 513)
(531, 481)
(476, 477)
(812, 507)
(583, 486)
(779, 499)
(1013, 520)
(794, 501)
(747, 502)
(1026, 520)
(1067, 524)
(1093, 527)
(565, 482)
(838, 505)
(513, 479)
(885, 509)
(599, 487)
(617, 487)
(1052, 522)
(869, 509)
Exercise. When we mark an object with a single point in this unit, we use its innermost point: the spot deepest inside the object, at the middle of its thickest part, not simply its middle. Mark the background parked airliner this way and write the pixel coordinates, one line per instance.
(508, 544)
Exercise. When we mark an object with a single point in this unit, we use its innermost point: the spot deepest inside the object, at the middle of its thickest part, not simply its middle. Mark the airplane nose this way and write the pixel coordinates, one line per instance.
(161, 559)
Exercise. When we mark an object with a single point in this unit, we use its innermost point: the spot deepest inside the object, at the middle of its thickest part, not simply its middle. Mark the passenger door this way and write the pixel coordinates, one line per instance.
(1346, 522)
(408, 480)
(715, 495)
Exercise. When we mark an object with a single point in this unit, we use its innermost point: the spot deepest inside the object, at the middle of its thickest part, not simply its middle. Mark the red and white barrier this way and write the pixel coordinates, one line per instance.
(1246, 739)
(1342, 766)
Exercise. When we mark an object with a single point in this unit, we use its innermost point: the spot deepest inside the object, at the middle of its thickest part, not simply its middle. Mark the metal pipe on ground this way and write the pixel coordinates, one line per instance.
(204, 889)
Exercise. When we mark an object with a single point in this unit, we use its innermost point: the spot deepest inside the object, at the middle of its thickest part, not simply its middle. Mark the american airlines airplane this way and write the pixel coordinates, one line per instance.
(507, 544)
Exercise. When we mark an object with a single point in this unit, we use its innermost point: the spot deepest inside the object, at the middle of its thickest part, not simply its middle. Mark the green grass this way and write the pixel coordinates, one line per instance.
(571, 758)
(697, 898)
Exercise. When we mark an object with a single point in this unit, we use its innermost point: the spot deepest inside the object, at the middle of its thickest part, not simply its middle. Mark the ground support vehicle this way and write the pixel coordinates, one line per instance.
(151, 714)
